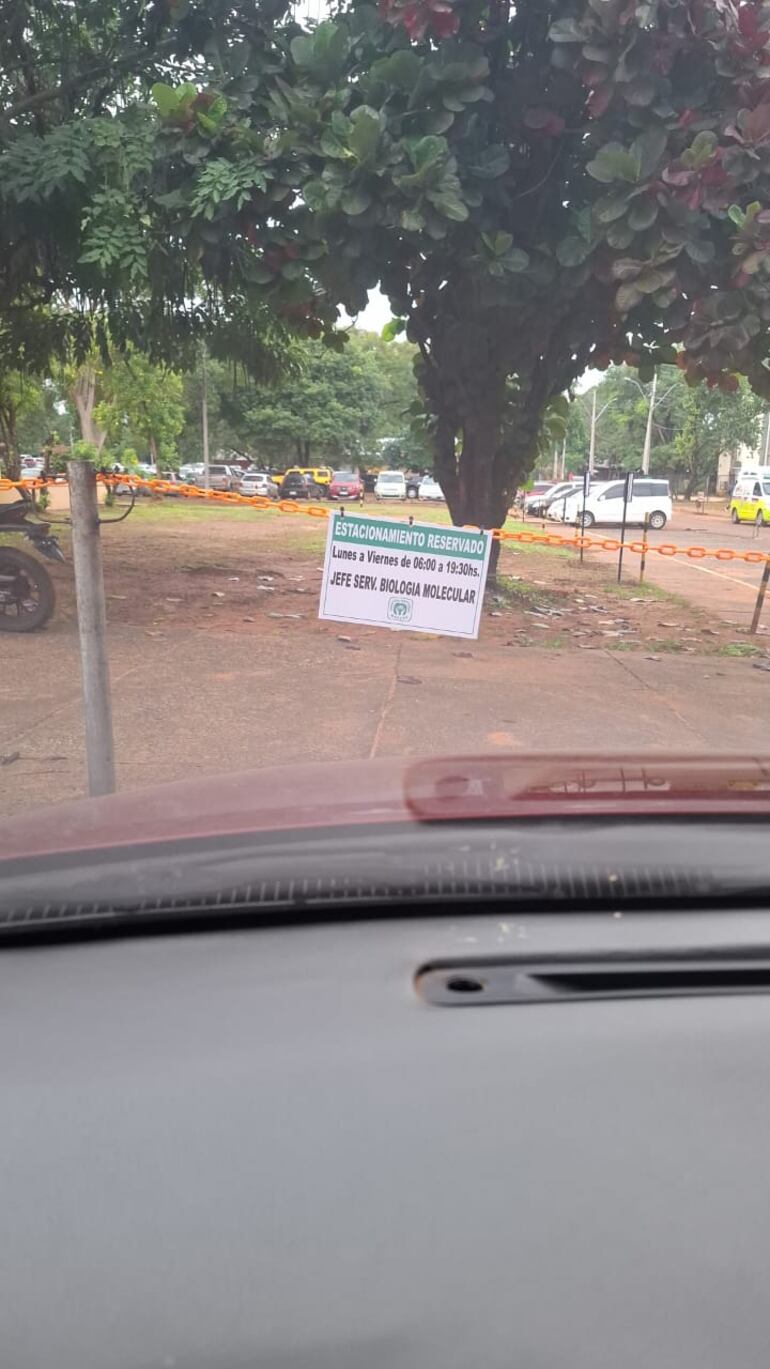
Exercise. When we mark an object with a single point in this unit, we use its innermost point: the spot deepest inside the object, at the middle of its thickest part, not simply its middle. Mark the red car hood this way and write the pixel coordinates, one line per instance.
(385, 791)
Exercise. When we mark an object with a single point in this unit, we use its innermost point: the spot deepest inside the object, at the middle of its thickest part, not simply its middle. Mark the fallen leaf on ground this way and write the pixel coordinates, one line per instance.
(342, 638)
(408, 679)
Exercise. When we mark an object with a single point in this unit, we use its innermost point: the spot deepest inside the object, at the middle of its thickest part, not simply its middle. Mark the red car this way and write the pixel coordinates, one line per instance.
(345, 485)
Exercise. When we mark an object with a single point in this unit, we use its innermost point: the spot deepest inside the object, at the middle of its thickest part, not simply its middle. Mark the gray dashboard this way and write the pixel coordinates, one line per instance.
(237, 1149)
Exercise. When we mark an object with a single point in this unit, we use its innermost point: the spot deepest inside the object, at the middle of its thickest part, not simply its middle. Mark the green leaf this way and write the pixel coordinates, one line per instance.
(498, 243)
(620, 236)
(573, 251)
(700, 251)
(355, 200)
(392, 329)
(648, 148)
(401, 69)
(450, 206)
(411, 220)
(627, 297)
(365, 132)
(516, 260)
(302, 50)
(165, 98)
(293, 270)
(736, 215)
(643, 214)
(701, 149)
(611, 207)
(331, 146)
(613, 162)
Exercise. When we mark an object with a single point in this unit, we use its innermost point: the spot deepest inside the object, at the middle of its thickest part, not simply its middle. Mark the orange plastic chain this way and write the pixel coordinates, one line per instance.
(538, 539)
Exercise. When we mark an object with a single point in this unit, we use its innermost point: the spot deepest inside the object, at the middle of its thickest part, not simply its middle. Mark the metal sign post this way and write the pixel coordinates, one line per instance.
(92, 623)
(586, 488)
(643, 558)
(760, 597)
(628, 493)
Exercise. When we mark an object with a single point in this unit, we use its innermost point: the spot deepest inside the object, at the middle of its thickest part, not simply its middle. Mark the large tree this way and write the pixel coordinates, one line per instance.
(538, 189)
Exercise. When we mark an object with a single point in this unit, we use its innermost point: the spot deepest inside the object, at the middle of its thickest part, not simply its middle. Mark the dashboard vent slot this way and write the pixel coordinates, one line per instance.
(466, 983)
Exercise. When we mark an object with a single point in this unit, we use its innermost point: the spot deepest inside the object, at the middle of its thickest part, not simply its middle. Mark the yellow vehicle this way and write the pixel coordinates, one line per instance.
(320, 475)
(750, 502)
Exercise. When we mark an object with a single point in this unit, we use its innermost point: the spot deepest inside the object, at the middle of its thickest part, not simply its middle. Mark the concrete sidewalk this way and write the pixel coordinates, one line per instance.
(194, 702)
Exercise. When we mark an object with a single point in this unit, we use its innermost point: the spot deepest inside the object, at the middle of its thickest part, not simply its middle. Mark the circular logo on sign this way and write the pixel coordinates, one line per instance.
(399, 609)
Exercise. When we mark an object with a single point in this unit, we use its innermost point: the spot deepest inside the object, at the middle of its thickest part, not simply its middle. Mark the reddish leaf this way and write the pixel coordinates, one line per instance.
(444, 25)
(599, 100)
(544, 121)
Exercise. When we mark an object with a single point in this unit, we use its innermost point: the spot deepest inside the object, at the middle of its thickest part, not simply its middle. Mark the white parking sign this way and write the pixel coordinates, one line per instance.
(422, 576)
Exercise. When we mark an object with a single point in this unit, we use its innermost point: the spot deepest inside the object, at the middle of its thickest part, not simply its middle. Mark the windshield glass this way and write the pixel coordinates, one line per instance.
(478, 252)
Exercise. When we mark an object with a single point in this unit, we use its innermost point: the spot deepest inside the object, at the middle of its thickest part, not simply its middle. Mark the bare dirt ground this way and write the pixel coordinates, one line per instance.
(218, 662)
(237, 571)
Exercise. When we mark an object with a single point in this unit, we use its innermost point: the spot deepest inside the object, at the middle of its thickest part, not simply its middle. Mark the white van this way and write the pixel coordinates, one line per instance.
(605, 504)
(390, 485)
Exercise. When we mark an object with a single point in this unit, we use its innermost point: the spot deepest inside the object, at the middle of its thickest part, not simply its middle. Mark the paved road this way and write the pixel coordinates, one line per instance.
(728, 589)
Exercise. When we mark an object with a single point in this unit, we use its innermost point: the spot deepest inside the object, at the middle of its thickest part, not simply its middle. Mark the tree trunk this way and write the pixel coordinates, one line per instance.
(307, 452)
(83, 395)
(12, 460)
(479, 485)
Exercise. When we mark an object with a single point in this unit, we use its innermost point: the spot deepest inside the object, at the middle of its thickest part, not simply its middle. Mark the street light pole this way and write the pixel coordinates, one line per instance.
(592, 445)
(648, 432)
(205, 421)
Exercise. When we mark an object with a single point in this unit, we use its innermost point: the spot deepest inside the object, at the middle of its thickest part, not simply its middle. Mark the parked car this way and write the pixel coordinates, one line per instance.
(220, 478)
(750, 501)
(318, 475)
(189, 473)
(32, 467)
(390, 485)
(430, 488)
(555, 496)
(531, 498)
(258, 482)
(345, 485)
(295, 485)
(604, 504)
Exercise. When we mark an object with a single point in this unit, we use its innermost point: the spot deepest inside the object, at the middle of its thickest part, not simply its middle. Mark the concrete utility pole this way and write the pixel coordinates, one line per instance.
(648, 432)
(92, 625)
(592, 445)
(766, 440)
(205, 421)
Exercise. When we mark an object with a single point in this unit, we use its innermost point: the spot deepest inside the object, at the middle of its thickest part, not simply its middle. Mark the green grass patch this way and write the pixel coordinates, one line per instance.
(645, 591)
(671, 644)
(739, 649)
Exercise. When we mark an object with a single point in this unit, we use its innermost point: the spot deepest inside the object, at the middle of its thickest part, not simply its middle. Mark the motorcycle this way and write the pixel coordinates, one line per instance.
(27, 596)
